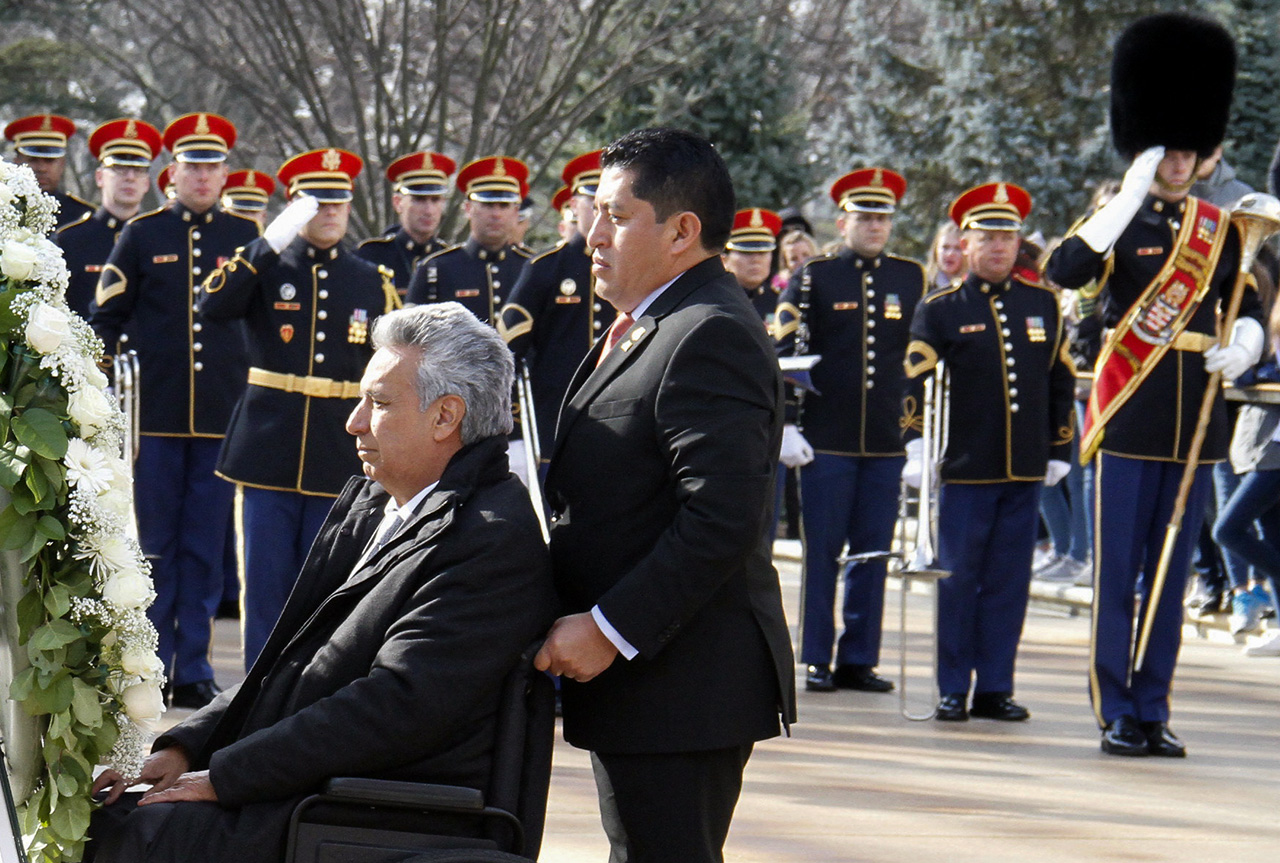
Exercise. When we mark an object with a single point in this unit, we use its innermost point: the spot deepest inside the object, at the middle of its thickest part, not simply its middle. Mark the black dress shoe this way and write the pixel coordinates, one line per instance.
(951, 708)
(229, 609)
(818, 679)
(1123, 736)
(195, 695)
(1163, 742)
(860, 677)
(998, 705)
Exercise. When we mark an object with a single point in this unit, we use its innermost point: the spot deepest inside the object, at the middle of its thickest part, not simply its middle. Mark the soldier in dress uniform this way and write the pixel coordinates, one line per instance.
(247, 194)
(524, 221)
(1011, 385)
(1165, 260)
(40, 142)
(164, 182)
(419, 182)
(749, 256)
(554, 315)
(481, 272)
(853, 308)
(567, 226)
(124, 150)
(193, 371)
(307, 304)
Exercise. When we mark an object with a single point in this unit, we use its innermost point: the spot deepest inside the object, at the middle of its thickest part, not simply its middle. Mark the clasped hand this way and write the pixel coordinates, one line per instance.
(167, 772)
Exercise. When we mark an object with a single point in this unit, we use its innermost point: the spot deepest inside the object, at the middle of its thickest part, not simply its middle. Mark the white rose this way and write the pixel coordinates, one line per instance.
(89, 409)
(143, 702)
(47, 327)
(127, 588)
(17, 260)
(143, 663)
(6, 195)
(94, 375)
(115, 502)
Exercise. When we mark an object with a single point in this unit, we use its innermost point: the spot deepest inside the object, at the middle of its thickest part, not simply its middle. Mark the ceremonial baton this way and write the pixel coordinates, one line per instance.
(1256, 217)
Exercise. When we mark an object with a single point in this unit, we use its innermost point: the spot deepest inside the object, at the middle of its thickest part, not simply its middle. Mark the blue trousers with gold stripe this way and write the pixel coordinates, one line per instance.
(986, 536)
(276, 530)
(1133, 502)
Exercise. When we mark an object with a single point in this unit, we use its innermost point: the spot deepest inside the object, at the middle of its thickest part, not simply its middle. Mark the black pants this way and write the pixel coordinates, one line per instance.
(659, 808)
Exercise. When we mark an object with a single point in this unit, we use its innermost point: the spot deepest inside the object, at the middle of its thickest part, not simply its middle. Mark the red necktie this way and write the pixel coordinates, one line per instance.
(620, 325)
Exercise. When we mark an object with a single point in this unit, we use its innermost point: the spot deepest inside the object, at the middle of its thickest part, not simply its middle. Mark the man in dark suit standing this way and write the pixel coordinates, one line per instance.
(661, 480)
(423, 587)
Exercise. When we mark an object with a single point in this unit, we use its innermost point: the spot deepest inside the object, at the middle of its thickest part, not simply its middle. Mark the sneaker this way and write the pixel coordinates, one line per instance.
(1203, 599)
(1246, 613)
(1269, 646)
(1264, 596)
(1041, 562)
(1063, 571)
(1084, 578)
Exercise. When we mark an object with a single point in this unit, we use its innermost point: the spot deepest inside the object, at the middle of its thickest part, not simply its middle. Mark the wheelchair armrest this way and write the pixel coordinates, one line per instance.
(406, 795)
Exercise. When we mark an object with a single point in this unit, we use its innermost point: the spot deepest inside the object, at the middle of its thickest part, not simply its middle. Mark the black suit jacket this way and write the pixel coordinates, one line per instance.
(392, 671)
(662, 482)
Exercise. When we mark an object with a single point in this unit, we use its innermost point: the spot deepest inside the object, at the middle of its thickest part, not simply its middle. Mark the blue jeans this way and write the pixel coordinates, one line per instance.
(1225, 482)
(1066, 507)
(1254, 500)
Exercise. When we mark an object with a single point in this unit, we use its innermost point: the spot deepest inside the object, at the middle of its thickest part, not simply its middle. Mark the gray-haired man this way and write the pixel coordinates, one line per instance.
(425, 583)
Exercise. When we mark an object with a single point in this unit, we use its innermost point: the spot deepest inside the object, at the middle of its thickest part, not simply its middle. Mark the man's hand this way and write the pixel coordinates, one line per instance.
(189, 786)
(575, 648)
(796, 451)
(160, 770)
(1101, 230)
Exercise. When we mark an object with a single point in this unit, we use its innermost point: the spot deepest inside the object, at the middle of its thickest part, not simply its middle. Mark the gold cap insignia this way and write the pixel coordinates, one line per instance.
(877, 179)
(250, 179)
(756, 221)
(1002, 194)
(332, 161)
(47, 124)
(202, 125)
(499, 169)
(131, 129)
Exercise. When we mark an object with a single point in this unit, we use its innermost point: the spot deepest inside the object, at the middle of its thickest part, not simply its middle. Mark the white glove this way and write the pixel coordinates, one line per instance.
(292, 219)
(913, 470)
(518, 460)
(1101, 230)
(1241, 354)
(1055, 471)
(796, 451)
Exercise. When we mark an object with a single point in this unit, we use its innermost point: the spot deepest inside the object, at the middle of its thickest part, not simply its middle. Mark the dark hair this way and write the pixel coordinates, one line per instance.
(677, 171)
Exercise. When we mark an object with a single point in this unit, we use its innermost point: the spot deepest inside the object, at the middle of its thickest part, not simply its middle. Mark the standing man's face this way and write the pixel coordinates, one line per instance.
(48, 171)
(584, 213)
(123, 187)
(1175, 175)
(991, 254)
(199, 184)
(328, 225)
(419, 214)
(626, 241)
(750, 268)
(492, 222)
(865, 233)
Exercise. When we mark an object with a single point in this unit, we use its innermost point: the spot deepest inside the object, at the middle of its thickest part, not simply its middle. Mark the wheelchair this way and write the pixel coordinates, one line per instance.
(358, 820)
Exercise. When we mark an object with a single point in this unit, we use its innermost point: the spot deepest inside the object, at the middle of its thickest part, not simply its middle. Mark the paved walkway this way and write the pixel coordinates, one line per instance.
(857, 782)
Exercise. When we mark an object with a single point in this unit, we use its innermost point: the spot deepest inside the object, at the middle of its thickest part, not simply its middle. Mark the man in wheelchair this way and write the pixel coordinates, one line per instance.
(426, 583)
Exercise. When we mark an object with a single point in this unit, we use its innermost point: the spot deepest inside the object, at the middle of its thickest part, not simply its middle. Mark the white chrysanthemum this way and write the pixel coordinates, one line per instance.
(90, 409)
(107, 554)
(87, 467)
(47, 328)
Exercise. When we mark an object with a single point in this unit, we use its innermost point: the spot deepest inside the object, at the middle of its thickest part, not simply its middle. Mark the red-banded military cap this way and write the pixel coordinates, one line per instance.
(326, 174)
(421, 173)
(869, 190)
(494, 179)
(129, 142)
(247, 191)
(164, 181)
(560, 199)
(992, 207)
(41, 136)
(200, 137)
(582, 174)
(754, 230)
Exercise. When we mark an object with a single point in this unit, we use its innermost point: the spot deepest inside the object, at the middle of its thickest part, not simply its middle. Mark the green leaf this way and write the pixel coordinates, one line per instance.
(23, 681)
(39, 485)
(42, 431)
(55, 698)
(11, 466)
(51, 528)
(49, 661)
(57, 600)
(16, 529)
(67, 785)
(71, 818)
(55, 634)
(30, 615)
(85, 704)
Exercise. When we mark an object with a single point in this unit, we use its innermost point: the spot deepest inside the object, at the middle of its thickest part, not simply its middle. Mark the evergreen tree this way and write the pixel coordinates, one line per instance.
(1255, 110)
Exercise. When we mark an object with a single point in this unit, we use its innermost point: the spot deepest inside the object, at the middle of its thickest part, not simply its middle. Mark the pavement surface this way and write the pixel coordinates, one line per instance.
(856, 781)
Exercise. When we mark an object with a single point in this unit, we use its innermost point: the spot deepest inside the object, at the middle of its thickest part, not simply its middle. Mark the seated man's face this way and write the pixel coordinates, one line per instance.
(394, 435)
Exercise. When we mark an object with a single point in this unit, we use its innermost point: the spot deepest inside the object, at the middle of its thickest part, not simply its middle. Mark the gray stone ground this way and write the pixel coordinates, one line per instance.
(857, 782)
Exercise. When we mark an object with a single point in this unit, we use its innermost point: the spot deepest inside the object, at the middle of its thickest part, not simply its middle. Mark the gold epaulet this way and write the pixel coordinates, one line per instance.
(149, 213)
(80, 200)
(522, 250)
(904, 259)
(389, 293)
(551, 251)
(80, 221)
(443, 251)
(254, 222)
(942, 292)
(385, 238)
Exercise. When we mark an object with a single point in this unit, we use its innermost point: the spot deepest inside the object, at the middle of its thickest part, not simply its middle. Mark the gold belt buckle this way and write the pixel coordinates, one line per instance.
(317, 388)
